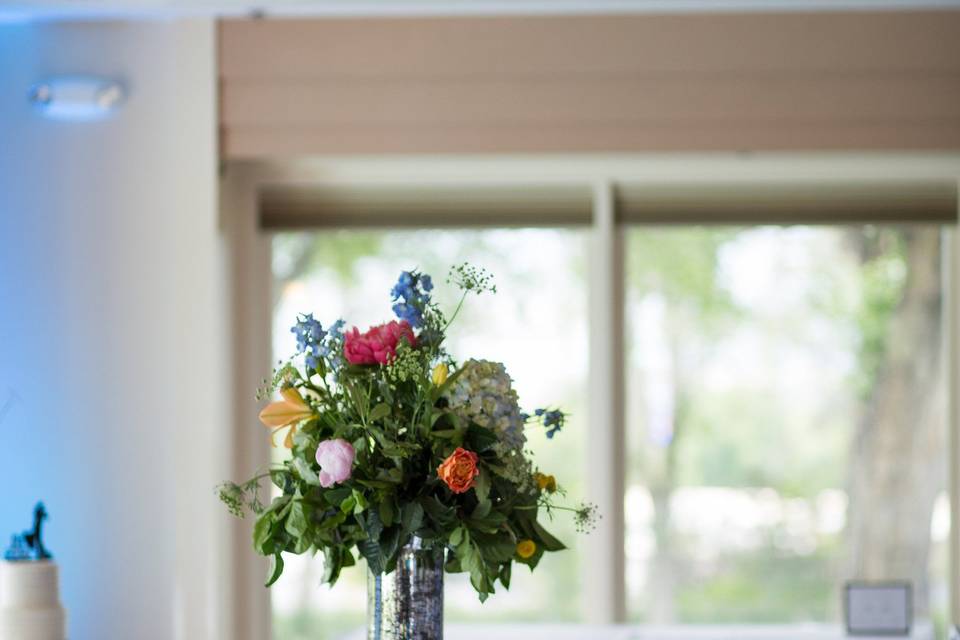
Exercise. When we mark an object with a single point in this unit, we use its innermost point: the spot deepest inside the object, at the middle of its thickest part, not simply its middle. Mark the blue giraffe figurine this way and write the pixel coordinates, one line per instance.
(30, 542)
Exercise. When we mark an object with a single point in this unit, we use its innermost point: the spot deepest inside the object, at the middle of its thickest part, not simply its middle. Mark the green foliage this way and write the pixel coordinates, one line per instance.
(335, 250)
(883, 276)
(402, 428)
(735, 436)
(745, 590)
(683, 267)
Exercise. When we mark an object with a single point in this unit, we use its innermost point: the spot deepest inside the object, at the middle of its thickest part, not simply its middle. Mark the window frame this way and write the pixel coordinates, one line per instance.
(242, 187)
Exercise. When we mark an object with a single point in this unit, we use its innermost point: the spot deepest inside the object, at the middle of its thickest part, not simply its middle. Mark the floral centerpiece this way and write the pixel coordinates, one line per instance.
(404, 457)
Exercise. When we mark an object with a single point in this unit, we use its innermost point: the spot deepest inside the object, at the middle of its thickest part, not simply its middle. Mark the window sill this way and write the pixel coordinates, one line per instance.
(921, 631)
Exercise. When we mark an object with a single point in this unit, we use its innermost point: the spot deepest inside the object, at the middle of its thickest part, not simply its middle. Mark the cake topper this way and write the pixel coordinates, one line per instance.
(30, 542)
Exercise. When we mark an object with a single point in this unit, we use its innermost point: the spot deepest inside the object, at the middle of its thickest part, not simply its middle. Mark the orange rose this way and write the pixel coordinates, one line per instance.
(459, 471)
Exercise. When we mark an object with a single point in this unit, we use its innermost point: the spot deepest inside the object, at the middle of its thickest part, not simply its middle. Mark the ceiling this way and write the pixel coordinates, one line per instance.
(15, 10)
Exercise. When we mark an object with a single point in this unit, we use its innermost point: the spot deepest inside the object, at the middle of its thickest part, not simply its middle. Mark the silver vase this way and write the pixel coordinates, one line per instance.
(407, 603)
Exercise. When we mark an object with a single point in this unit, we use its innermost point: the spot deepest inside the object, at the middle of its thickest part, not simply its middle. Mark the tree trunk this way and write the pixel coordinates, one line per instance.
(898, 457)
(667, 568)
(664, 578)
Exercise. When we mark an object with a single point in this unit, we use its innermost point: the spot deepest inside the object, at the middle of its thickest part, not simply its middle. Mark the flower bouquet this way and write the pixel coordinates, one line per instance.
(404, 457)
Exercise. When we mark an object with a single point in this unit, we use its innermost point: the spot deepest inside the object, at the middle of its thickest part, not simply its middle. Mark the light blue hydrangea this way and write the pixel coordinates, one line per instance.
(484, 393)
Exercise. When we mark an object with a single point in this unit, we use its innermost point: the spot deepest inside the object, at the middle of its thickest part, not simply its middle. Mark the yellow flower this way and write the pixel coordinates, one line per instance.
(440, 373)
(545, 482)
(288, 412)
(526, 548)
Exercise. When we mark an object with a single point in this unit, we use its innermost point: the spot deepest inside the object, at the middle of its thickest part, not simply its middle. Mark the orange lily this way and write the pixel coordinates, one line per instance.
(289, 412)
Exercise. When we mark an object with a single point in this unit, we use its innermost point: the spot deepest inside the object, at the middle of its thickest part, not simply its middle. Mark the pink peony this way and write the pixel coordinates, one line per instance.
(378, 345)
(335, 458)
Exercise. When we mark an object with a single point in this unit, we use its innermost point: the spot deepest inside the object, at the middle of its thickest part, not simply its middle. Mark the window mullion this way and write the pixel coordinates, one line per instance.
(952, 322)
(604, 593)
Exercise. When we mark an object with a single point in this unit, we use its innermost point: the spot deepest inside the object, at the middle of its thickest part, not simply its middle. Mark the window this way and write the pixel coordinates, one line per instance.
(771, 374)
(786, 420)
(537, 326)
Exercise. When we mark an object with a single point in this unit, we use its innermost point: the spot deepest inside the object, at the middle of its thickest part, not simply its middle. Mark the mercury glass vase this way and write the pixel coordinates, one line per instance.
(407, 603)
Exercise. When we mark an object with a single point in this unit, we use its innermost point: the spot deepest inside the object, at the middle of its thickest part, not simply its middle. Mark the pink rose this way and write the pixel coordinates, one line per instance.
(335, 458)
(378, 345)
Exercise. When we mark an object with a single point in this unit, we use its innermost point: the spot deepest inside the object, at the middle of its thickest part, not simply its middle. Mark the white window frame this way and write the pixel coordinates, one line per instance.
(248, 608)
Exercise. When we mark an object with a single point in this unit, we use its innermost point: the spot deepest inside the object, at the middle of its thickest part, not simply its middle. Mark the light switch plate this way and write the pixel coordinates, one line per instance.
(878, 608)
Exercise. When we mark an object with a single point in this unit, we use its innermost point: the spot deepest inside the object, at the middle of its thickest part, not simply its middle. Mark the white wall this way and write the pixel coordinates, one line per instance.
(110, 325)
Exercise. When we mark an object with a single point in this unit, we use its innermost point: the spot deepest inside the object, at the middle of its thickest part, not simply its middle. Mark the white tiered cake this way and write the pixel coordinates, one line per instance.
(30, 601)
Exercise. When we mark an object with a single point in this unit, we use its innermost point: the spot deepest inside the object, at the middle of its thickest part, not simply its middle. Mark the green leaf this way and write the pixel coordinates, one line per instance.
(283, 480)
(546, 539)
(262, 534)
(482, 510)
(489, 522)
(361, 502)
(374, 484)
(469, 559)
(282, 513)
(373, 526)
(496, 549)
(335, 497)
(382, 410)
(370, 550)
(399, 449)
(329, 523)
(440, 513)
(278, 503)
(505, 571)
(456, 536)
(480, 582)
(389, 543)
(347, 558)
(347, 505)
(377, 434)
(452, 565)
(479, 439)
(332, 563)
(482, 486)
(306, 474)
(411, 517)
(301, 545)
(276, 570)
(297, 522)
(395, 475)
(386, 512)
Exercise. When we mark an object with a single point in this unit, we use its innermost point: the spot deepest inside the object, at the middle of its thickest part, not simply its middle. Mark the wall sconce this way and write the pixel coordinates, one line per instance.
(77, 97)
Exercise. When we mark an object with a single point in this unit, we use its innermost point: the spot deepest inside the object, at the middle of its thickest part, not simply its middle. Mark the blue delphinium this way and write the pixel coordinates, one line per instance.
(310, 335)
(411, 296)
(552, 420)
(332, 348)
